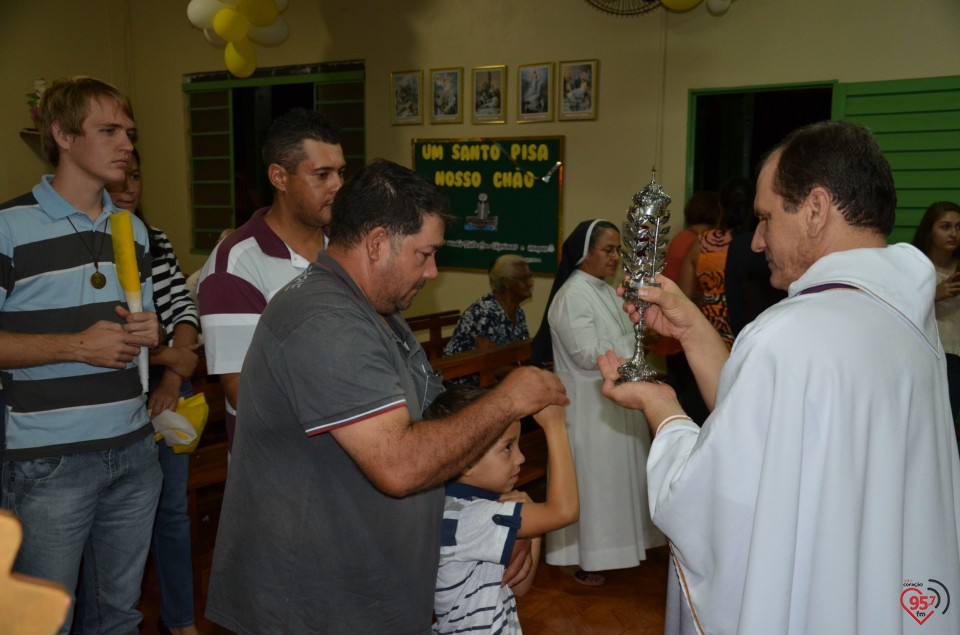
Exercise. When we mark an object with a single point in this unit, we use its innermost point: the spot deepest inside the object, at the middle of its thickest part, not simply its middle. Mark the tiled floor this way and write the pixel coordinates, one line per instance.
(630, 603)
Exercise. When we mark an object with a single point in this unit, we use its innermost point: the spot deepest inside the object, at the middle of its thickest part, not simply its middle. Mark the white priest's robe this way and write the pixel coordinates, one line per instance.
(609, 443)
(821, 495)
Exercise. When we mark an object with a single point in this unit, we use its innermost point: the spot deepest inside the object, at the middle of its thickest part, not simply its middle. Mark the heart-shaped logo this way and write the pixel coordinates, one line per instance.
(917, 605)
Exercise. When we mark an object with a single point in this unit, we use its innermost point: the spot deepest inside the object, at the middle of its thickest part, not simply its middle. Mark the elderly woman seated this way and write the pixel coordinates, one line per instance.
(496, 318)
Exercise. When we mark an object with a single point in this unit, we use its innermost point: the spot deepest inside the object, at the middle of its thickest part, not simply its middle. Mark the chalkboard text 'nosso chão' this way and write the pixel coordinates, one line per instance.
(472, 152)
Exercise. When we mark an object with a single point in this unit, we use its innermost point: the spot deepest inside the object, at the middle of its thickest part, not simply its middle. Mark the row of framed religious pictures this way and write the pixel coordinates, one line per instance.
(576, 93)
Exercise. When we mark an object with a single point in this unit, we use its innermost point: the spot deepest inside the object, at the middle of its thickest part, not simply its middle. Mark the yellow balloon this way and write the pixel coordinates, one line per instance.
(230, 25)
(241, 58)
(258, 12)
(680, 5)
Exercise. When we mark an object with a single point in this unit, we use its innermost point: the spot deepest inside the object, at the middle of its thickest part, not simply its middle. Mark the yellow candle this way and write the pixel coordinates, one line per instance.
(124, 253)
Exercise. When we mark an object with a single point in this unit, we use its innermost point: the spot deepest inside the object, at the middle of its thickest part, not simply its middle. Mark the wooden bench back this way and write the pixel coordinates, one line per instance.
(488, 363)
(433, 324)
(484, 362)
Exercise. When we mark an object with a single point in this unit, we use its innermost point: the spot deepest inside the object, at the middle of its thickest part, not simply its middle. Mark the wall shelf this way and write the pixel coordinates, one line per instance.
(32, 138)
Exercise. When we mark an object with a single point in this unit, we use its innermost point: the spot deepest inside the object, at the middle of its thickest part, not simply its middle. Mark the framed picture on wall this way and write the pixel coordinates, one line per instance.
(577, 97)
(535, 92)
(489, 94)
(407, 97)
(447, 95)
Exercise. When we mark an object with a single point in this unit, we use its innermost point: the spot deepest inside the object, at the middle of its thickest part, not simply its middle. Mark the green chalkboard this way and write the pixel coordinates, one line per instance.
(506, 195)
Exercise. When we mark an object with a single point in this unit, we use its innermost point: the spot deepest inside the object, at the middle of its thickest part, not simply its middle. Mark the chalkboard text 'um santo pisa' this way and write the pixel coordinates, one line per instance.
(514, 179)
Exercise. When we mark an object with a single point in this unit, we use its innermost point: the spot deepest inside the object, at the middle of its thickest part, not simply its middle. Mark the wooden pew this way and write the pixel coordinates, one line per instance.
(483, 362)
(433, 324)
(487, 363)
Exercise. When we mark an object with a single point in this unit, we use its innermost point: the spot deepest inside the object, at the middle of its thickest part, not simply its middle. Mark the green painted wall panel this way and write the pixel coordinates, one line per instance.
(917, 124)
(910, 121)
(883, 103)
(924, 159)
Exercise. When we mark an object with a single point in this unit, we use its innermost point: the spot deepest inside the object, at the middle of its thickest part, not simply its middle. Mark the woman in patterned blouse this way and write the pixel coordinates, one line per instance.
(496, 318)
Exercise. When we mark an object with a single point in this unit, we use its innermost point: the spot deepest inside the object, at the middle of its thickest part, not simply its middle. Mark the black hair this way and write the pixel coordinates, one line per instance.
(736, 198)
(385, 194)
(703, 208)
(845, 159)
(454, 399)
(283, 144)
(139, 212)
(936, 211)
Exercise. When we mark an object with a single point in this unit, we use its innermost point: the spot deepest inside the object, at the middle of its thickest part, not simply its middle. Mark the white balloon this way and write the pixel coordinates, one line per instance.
(201, 12)
(718, 7)
(270, 35)
(213, 38)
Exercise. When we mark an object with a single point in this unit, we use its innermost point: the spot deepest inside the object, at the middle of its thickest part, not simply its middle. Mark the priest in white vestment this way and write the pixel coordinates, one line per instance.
(821, 495)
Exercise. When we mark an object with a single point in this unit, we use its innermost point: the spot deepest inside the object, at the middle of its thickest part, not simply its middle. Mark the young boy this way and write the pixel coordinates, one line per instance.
(483, 515)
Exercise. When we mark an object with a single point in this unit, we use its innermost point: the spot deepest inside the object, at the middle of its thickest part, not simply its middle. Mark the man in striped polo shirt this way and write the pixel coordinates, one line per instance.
(305, 166)
(80, 469)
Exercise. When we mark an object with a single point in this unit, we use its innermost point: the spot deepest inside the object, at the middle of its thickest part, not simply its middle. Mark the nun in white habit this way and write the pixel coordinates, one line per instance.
(584, 318)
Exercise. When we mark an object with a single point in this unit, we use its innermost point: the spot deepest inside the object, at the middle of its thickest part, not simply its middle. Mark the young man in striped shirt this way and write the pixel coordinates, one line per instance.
(80, 469)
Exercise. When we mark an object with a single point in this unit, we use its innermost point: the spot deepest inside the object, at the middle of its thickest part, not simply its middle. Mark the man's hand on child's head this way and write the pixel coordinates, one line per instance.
(515, 496)
(551, 416)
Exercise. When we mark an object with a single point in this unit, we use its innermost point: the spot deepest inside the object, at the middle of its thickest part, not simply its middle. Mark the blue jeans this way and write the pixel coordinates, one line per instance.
(98, 506)
(171, 541)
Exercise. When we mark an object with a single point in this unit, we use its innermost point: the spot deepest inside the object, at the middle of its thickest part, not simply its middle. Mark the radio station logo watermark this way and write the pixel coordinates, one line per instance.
(922, 600)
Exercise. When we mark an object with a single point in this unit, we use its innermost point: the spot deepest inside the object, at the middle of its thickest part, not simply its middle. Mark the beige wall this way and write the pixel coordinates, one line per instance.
(145, 47)
(45, 39)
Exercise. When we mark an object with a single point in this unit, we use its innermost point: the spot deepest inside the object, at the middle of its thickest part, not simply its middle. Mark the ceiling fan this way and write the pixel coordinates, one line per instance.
(625, 7)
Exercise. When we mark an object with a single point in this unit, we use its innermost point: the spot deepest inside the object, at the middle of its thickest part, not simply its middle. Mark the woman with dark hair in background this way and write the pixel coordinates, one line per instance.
(747, 284)
(584, 318)
(701, 278)
(701, 213)
(938, 236)
(728, 301)
(701, 275)
(171, 366)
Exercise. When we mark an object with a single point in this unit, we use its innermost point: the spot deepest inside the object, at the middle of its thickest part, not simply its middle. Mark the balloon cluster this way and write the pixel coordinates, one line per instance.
(715, 7)
(237, 25)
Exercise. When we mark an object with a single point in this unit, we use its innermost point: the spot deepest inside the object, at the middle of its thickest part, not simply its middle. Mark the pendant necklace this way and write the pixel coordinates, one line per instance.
(97, 279)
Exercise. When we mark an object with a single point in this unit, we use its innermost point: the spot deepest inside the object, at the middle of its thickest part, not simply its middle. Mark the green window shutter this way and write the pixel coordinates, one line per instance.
(339, 96)
(917, 124)
(210, 130)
